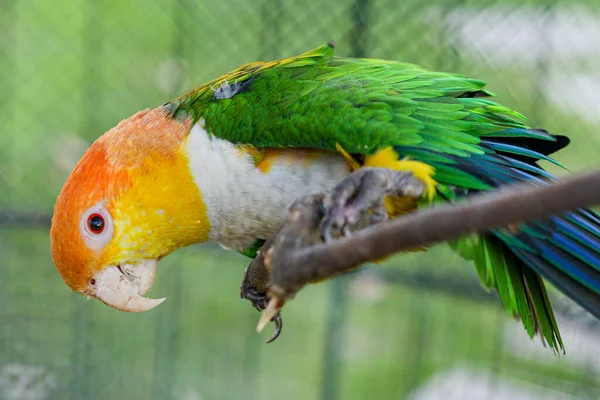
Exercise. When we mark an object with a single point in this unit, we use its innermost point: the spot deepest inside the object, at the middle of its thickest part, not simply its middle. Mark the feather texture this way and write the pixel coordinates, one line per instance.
(444, 120)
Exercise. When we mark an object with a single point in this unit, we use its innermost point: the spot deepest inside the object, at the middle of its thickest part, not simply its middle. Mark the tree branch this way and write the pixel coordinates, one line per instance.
(298, 256)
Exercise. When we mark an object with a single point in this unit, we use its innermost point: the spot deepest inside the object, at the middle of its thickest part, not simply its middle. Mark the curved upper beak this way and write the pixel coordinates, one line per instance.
(123, 287)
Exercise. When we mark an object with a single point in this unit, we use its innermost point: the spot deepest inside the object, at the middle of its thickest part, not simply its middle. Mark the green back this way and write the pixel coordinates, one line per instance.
(317, 100)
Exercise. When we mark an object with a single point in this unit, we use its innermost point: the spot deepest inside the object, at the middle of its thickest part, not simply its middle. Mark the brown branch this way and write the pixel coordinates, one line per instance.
(297, 257)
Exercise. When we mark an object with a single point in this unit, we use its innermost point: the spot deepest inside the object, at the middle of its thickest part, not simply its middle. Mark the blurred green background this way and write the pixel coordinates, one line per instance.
(419, 327)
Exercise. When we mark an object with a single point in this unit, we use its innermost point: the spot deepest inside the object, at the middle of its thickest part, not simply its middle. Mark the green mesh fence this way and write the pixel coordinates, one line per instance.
(419, 327)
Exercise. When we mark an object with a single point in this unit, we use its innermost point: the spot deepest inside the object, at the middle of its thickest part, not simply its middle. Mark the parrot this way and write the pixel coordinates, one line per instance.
(224, 162)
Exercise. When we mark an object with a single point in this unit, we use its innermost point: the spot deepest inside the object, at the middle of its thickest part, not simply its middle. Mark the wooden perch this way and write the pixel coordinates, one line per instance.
(298, 256)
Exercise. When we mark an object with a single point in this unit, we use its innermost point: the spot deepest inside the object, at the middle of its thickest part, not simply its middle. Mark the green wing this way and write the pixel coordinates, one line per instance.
(317, 100)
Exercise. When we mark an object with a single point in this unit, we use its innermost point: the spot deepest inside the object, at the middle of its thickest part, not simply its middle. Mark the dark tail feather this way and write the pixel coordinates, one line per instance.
(566, 251)
(583, 296)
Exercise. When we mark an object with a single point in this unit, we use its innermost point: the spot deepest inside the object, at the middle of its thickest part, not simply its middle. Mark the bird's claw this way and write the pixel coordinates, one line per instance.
(260, 301)
(278, 327)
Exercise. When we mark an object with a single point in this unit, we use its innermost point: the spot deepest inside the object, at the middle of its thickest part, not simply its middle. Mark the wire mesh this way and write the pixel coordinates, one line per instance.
(419, 327)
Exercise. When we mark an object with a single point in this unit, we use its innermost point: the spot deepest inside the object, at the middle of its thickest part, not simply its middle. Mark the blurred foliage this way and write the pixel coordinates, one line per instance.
(71, 69)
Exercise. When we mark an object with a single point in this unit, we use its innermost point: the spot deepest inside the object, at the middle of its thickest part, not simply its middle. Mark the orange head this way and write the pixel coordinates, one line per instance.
(130, 201)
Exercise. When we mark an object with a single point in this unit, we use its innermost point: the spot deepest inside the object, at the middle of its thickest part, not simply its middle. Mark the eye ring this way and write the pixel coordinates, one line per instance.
(96, 223)
(96, 226)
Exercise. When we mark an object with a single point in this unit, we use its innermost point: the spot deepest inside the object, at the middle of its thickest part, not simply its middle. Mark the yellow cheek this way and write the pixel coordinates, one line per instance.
(161, 212)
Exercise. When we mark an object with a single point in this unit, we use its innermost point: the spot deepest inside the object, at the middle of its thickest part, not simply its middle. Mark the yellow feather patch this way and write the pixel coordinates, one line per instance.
(160, 213)
(388, 158)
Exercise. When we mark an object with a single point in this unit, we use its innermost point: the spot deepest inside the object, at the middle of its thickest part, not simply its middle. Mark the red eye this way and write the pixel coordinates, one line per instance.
(96, 223)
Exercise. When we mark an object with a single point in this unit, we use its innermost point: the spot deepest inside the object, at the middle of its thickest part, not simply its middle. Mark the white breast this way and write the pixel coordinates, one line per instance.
(245, 204)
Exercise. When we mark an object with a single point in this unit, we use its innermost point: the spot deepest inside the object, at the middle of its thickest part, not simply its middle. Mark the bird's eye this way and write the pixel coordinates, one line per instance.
(96, 226)
(96, 223)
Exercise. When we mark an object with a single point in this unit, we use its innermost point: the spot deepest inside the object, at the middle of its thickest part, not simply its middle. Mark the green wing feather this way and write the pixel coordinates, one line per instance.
(521, 291)
(316, 100)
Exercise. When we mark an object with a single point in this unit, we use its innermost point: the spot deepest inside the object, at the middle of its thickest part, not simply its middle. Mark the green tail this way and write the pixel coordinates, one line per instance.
(521, 290)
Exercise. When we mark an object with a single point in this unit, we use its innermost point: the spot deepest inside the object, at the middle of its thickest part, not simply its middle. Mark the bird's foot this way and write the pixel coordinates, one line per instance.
(255, 286)
(362, 194)
(260, 301)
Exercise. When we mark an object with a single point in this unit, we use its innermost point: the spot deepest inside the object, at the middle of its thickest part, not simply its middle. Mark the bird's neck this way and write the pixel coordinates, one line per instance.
(246, 201)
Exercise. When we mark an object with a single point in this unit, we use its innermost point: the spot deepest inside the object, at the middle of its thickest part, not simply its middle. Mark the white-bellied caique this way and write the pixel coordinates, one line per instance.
(224, 162)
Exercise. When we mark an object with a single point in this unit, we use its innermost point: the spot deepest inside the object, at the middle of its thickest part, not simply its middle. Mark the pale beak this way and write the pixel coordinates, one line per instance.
(123, 287)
